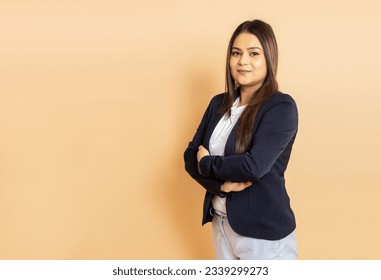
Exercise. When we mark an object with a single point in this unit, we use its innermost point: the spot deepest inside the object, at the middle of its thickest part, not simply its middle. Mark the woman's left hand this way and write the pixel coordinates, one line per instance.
(202, 152)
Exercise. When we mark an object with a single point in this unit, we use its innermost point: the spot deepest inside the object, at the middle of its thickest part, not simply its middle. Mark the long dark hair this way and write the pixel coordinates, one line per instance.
(266, 37)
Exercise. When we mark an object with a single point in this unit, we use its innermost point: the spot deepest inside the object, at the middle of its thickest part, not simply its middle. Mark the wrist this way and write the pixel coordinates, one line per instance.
(204, 166)
(224, 188)
(201, 157)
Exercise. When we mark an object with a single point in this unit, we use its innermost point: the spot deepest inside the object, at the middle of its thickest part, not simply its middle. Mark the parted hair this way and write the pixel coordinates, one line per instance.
(266, 37)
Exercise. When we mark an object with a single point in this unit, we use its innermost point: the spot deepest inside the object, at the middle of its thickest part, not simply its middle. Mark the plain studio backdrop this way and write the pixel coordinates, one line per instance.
(99, 99)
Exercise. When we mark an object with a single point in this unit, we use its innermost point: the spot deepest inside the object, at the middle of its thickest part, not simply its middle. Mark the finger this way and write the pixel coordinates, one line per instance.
(245, 185)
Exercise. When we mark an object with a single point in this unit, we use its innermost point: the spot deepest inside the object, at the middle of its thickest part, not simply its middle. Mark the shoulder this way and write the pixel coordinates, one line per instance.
(281, 108)
(279, 98)
(216, 101)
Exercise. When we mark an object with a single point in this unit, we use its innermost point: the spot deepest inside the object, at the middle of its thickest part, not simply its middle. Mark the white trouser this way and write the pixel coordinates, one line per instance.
(229, 245)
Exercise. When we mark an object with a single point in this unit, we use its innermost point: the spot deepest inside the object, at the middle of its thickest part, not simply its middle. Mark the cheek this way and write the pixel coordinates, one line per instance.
(261, 66)
(231, 65)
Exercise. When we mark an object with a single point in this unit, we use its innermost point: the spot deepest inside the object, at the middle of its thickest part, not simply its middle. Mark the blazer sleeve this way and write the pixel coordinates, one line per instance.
(211, 184)
(278, 126)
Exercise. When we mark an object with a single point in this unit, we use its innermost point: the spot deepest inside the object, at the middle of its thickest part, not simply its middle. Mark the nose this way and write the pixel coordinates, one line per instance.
(244, 59)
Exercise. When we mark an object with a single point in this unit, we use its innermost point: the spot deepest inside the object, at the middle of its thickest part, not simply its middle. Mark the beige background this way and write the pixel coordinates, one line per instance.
(98, 100)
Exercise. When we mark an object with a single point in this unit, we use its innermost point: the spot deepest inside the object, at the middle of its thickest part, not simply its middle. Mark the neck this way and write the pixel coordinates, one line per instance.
(247, 93)
(245, 96)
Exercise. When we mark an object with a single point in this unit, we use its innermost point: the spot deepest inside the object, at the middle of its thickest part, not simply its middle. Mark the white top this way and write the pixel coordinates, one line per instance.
(218, 141)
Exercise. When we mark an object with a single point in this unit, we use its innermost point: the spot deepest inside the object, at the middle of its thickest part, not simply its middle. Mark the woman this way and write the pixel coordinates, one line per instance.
(241, 150)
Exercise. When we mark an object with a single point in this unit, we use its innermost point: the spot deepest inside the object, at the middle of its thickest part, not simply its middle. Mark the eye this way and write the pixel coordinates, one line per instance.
(254, 53)
(235, 53)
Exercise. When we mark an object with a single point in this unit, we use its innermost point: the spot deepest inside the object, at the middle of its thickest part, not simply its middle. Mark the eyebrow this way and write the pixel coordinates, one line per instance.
(251, 48)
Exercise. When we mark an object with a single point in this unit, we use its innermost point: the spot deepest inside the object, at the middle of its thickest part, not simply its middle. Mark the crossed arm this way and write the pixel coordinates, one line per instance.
(227, 186)
(277, 129)
(212, 184)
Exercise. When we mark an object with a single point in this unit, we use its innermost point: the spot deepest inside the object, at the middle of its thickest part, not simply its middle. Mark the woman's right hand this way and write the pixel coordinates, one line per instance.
(235, 186)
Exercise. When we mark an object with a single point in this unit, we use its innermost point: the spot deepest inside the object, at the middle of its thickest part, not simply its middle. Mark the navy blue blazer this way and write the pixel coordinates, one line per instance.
(262, 210)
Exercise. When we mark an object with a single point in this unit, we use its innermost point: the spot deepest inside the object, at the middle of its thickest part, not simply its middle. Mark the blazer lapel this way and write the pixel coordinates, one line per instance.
(230, 143)
(212, 124)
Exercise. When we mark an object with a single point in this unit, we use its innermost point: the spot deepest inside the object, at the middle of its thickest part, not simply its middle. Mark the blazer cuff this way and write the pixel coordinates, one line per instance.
(204, 166)
(223, 194)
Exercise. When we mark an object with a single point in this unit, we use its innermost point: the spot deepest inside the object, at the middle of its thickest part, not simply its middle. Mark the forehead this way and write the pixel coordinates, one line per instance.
(246, 40)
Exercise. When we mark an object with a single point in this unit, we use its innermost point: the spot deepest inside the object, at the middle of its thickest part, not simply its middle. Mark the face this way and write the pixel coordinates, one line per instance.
(248, 62)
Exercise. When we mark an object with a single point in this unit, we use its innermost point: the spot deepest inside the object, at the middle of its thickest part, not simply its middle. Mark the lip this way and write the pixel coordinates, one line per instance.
(243, 71)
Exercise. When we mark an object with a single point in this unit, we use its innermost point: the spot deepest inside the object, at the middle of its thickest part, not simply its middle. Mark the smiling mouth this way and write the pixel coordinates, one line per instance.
(243, 71)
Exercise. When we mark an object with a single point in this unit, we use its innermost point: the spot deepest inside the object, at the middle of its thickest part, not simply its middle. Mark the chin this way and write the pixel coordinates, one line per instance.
(246, 84)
